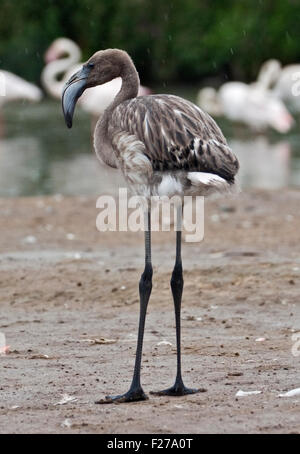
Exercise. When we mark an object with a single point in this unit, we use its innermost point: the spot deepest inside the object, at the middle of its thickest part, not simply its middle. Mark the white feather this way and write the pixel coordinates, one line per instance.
(206, 178)
(169, 186)
(196, 143)
(207, 183)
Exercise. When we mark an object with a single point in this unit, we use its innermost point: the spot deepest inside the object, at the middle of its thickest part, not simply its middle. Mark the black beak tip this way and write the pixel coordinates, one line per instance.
(68, 118)
(69, 121)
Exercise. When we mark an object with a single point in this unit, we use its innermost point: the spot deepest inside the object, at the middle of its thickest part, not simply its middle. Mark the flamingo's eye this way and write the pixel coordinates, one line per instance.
(90, 65)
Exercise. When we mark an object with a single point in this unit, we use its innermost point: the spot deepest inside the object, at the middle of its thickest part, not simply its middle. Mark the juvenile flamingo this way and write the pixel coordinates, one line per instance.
(164, 145)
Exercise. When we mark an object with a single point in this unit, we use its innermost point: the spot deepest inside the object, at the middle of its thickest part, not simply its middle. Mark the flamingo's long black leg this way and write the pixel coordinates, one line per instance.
(135, 391)
(178, 389)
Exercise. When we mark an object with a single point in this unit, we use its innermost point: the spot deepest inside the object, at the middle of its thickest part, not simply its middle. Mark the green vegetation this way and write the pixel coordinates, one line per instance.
(173, 40)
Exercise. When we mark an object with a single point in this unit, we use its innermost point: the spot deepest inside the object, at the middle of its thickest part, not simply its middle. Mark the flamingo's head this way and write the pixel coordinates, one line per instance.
(279, 117)
(102, 67)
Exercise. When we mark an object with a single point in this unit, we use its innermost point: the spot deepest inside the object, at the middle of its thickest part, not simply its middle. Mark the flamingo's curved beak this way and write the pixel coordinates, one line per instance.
(72, 92)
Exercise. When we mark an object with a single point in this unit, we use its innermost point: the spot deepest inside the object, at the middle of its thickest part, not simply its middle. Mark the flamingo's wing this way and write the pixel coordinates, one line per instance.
(177, 135)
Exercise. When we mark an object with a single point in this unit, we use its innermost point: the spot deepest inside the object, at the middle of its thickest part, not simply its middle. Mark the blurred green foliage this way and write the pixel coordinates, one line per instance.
(173, 40)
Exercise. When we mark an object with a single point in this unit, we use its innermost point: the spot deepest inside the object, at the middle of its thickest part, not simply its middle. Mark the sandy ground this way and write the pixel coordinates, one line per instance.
(63, 284)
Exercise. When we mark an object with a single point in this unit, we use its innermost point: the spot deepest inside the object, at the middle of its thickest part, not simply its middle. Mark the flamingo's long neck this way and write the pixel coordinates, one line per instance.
(130, 85)
(268, 74)
(129, 89)
(59, 67)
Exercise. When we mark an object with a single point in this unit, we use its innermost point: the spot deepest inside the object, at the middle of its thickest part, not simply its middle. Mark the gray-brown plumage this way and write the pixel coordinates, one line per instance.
(176, 134)
(164, 145)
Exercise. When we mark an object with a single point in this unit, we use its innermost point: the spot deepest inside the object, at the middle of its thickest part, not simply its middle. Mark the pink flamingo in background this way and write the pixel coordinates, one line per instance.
(252, 104)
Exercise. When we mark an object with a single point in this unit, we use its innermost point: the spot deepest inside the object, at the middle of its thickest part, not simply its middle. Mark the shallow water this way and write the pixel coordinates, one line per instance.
(39, 155)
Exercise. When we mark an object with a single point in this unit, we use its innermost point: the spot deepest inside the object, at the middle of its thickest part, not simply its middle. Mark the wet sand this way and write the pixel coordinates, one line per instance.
(64, 284)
